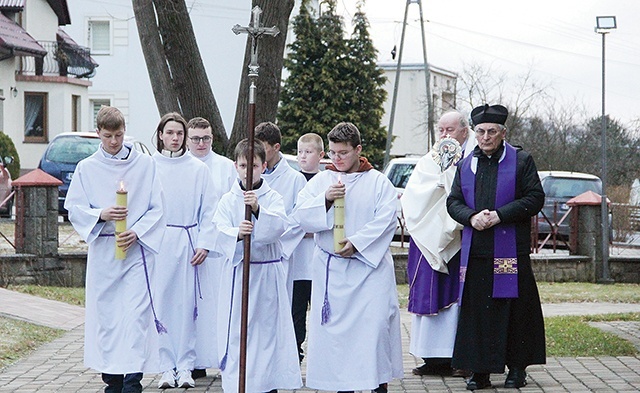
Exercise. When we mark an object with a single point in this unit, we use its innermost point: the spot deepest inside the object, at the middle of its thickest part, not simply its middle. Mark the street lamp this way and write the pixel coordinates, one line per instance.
(604, 24)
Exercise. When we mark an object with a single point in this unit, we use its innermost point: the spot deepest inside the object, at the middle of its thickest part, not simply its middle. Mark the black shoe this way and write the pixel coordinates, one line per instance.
(516, 378)
(433, 369)
(478, 381)
(381, 389)
(198, 373)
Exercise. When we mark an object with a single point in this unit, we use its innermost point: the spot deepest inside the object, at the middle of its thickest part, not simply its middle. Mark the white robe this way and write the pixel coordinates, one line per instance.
(224, 174)
(120, 334)
(288, 182)
(437, 236)
(360, 346)
(272, 355)
(189, 209)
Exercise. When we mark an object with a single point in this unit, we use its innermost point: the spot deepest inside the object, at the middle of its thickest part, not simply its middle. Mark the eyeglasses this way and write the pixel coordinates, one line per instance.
(198, 139)
(490, 131)
(340, 154)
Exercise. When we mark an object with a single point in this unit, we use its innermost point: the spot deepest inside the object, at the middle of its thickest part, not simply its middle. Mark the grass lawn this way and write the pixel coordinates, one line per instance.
(18, 338)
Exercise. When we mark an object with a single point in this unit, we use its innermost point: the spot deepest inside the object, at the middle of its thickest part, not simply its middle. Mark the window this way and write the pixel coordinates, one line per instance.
(35, 117)
(95, 106)
(99, 37)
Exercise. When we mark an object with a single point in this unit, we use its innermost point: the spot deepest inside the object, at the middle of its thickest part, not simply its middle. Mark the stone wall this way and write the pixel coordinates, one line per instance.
(557, 268)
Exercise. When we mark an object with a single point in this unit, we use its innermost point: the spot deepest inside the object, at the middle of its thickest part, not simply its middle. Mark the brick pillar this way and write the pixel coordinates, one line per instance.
(588, 227)
(36, 229)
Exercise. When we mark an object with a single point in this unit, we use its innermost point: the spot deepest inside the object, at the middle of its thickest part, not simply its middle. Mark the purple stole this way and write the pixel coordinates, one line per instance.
(505, 255)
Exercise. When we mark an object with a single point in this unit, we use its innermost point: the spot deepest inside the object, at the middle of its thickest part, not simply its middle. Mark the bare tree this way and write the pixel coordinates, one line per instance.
(167, 38)
(271, 60)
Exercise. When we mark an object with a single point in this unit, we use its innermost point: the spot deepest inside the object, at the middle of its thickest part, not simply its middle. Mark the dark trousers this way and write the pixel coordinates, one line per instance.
(118, 383)
(299, 307)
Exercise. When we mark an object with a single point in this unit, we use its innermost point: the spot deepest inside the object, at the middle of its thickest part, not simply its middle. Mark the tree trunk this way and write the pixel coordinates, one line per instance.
(174, 53)
(270, 59)
(161, 83)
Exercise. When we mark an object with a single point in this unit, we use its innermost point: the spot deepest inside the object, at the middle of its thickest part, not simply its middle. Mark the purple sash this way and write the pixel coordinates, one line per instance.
(505, 256)
(430, 291)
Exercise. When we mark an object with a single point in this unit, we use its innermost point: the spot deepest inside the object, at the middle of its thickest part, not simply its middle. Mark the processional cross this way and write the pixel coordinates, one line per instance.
(255, 31)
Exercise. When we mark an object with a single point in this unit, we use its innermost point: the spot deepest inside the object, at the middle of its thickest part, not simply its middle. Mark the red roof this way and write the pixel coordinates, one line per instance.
(588, 198)
(36, 177)
(15, 41)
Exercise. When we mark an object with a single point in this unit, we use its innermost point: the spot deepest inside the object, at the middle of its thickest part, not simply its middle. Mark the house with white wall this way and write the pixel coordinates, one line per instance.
(43, 76)
(109, 29)
(410, 120)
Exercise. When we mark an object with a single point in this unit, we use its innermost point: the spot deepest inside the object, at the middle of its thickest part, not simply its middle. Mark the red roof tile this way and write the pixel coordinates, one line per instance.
(36, 177)
(15, 40)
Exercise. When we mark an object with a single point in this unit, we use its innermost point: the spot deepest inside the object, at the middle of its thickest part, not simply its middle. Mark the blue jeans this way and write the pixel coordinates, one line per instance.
(118, 383)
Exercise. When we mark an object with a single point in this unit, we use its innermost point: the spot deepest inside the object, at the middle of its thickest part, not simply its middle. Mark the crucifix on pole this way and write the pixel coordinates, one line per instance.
(255, 31)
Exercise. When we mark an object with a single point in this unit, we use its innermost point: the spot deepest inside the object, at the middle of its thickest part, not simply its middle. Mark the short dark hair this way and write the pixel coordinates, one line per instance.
(171, 116)
(198, 122)
(242, 150)
(268, 132)
(109, 118)
(345, 132)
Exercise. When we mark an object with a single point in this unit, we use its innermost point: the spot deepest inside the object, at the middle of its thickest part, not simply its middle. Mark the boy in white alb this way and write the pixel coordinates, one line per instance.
(223, 173)
(120, 339)
(189, 236)
(285, 180)
(300, 243)
(354, 324)
(272, 360)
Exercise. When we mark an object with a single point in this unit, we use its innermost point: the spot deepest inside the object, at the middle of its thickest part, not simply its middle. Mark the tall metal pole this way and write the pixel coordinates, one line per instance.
(604, 209)
(255, 31)
(431, 137)
(394, 100)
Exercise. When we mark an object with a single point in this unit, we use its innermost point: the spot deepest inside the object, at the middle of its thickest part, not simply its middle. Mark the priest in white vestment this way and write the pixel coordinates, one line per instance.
(223, 174)
(121, 338)
(354, 324)
(272, 358)
(190, 234)
(434, 261)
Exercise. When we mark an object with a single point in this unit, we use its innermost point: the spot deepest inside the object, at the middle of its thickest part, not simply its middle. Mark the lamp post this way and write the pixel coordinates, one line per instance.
(604, 24)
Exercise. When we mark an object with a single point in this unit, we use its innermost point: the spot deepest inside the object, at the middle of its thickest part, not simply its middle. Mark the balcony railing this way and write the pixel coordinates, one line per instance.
(61, 59)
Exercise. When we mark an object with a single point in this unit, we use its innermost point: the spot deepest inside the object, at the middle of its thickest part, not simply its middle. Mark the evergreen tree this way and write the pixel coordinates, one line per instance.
(332, 79)
(367, 93)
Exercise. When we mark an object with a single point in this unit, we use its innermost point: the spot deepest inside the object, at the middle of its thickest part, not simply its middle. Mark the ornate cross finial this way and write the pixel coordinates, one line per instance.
(255, 31)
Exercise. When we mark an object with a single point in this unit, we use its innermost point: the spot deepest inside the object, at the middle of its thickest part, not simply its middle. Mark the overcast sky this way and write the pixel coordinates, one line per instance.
(553, 38)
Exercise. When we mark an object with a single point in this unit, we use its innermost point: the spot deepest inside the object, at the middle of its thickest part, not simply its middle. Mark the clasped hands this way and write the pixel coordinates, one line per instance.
(485, 220)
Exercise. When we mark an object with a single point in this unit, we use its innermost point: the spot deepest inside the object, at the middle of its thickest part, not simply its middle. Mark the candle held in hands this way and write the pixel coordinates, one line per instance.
(121, 225)
(338, 222)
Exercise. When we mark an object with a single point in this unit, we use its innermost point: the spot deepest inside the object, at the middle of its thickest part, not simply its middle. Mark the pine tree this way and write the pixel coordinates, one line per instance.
(332, 79)
(367, 89)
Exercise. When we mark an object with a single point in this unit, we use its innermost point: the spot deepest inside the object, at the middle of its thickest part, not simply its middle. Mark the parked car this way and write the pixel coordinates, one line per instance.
(399, 170)
(559, 187)
(5, 187)
(66, 150)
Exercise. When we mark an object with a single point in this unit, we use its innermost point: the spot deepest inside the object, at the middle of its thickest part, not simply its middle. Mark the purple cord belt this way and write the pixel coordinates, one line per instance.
(223, 362)
(159, 326)
(196, 277)
(326, 307)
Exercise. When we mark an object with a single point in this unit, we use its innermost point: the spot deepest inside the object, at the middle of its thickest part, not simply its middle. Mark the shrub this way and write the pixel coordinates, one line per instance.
(8, 149)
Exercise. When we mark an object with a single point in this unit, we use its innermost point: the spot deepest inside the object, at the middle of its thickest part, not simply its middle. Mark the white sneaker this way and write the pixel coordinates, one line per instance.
(168, 380)
(185, 380)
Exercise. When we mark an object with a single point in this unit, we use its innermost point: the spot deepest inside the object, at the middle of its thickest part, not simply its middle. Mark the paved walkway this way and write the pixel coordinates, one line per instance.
(57, 366)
